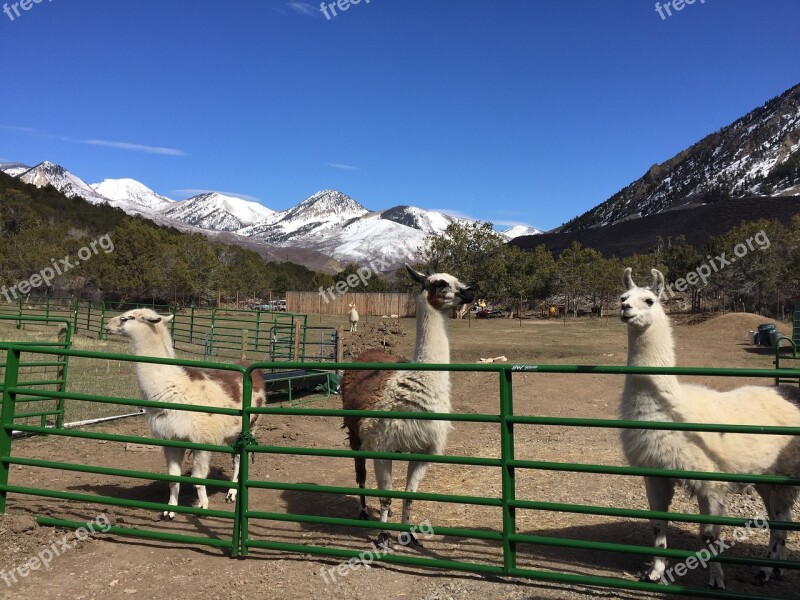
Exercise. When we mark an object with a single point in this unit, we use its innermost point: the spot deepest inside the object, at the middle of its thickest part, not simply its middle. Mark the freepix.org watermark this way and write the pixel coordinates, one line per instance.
(353, 280)
(366, 558)
(701, 274)
(44, 557)
(59, 267)
(12, 10)
(342, 5)
(715, 548)
(670, 5)
(362, 276)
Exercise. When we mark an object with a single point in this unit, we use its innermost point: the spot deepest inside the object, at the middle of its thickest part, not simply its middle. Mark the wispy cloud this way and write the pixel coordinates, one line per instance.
(17, 128)
(136, 147)
(95, 142)
(304, 8)
(512, 224)
(454, 213)
(196, 192)
(342, 166)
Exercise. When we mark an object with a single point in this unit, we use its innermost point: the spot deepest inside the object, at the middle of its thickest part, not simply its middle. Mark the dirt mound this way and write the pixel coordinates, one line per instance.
(381, 334)
(734, 326)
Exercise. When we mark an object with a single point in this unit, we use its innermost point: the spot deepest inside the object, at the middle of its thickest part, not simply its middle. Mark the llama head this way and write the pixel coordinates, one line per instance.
(139, 321)
(442, 290)
(640, 306)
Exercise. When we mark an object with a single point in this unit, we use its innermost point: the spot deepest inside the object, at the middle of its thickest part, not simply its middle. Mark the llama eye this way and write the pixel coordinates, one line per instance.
(649, 302)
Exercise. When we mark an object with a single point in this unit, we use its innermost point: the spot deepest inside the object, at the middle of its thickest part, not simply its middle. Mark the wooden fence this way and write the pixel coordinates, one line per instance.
(403, 305)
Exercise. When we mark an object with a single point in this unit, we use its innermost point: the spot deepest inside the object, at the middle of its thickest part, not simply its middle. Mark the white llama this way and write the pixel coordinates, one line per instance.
(424, 391)
(664, 398)
(353, 317)
(184, 385)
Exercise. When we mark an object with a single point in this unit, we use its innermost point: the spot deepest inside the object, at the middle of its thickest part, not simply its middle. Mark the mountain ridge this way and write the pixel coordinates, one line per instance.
(328, 223)
(757, 155)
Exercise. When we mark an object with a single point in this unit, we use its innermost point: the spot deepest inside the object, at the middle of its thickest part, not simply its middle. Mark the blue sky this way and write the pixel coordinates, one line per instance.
(521, 111)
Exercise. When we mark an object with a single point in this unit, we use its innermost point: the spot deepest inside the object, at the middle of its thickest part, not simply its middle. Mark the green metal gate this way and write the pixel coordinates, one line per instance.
(41, 372)
(242, 542)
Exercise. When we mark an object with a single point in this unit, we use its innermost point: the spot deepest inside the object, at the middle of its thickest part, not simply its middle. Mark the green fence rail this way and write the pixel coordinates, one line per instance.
(241, 540)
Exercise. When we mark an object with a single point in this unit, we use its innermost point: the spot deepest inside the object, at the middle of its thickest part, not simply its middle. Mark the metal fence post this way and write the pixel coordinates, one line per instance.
(240, 529)
(65, 339)
(75, 309)
(7, 420)
(508, 482)
(173, 310)
(210, 337)
(102, 320)
(191, 325)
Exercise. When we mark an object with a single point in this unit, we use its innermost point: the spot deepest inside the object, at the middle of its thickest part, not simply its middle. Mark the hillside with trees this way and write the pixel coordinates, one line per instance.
(40, 226)
(753, 266)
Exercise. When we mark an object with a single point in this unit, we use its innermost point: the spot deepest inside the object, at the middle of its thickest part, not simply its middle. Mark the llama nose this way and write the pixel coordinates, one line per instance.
(467, 294)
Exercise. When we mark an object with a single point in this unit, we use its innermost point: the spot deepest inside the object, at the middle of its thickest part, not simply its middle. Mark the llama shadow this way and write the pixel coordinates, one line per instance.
(324, 505)
(154, 491)
(344, 507)
(766, 350)
(544, 557)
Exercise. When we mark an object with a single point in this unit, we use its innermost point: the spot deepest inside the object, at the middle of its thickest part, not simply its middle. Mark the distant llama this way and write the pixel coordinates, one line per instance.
(149, 336)
(353, 317)
(423, 391)
(664, 398)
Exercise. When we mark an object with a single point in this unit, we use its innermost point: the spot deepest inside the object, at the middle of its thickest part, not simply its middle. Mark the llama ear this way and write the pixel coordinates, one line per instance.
(168, 318)
(153, 320)
(627, 280)
(416, 275)
(658, 282)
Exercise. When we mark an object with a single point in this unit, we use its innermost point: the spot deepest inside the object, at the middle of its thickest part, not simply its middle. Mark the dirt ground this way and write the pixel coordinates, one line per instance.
(110, 566)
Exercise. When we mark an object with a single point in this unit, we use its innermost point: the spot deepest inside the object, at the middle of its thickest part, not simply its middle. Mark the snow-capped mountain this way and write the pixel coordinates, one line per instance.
(13, 168)
(329, 222)
(428, 221)
(217, 212)
(518, 230)
(132, 194)
(313, 216)
(47, 173)
(335, 224)
(756, 155)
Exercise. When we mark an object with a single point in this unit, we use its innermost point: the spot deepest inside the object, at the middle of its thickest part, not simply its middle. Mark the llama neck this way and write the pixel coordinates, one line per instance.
(653, 347)
(158, 346)
(151, 377)
(432, 344)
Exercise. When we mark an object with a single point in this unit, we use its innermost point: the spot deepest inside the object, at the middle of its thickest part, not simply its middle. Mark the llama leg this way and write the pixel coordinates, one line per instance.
(778, 500)
(231, 495)
(416, 472)
(712, 502)
(174, 458)
(659, 495)
(361, 480)
(200, 466)
(383, 476)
